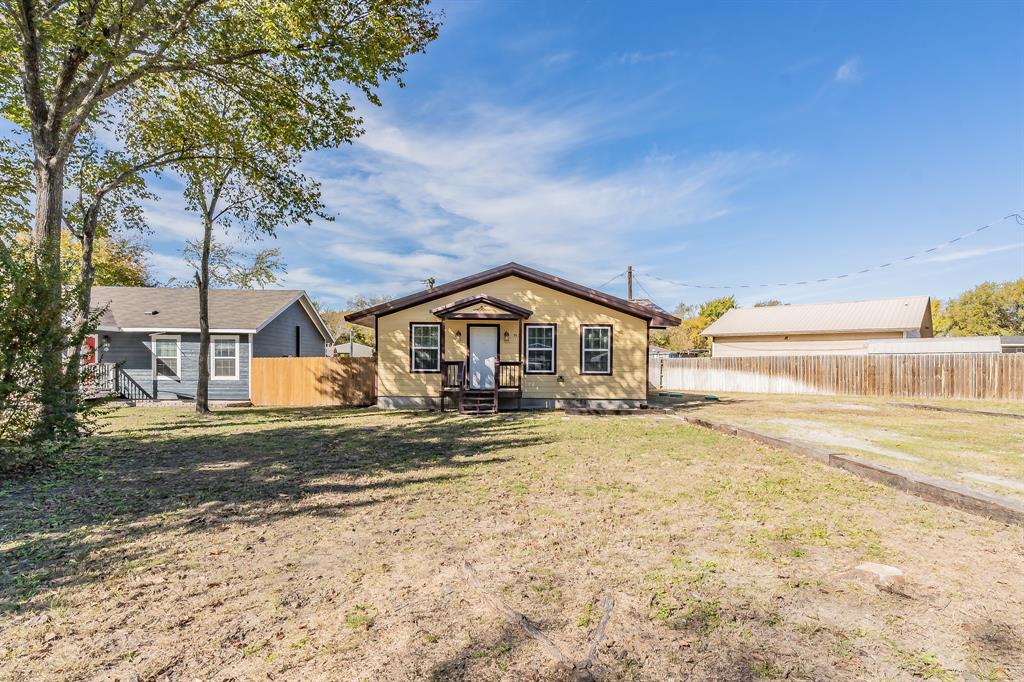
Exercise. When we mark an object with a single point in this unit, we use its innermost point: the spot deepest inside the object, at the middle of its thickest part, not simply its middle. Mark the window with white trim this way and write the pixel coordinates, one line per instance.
(167, 356)
(425, 350)
(540, 348)
(596, 349)
(224, 357)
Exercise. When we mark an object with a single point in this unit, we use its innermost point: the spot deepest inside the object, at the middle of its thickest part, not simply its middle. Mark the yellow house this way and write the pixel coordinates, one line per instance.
(512, 337)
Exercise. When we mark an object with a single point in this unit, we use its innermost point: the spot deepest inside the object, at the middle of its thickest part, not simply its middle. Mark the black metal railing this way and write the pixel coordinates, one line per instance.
(128, 388)
(99, 379)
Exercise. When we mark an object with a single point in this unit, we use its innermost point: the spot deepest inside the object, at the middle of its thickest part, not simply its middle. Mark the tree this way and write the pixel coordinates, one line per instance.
(65, 66)
(248, 179)
(231, 267)
(695, 320)
(771, 302)
(989, 309)
(335, 319)
(116, 261)
(26, 434)
(15, 190)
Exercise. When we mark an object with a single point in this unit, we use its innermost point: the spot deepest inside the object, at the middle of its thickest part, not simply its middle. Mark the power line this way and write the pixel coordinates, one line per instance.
(1018, 217)
(636, 280)
(611, 280)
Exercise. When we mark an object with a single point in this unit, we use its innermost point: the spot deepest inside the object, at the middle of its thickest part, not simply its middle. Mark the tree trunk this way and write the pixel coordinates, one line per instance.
(49, 181)
(87, 275)
(203, 279)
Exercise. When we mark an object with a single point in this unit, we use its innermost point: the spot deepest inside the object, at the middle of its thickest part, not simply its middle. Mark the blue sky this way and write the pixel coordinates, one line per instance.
(718, 144)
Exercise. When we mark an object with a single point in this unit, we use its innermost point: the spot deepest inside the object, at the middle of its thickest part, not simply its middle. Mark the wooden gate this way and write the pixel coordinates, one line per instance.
(309, 382)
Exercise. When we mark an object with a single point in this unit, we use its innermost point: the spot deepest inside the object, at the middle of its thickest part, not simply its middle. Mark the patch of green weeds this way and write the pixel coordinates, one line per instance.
(360, 618)
(926, 665)
(587, 619)
(766, 669)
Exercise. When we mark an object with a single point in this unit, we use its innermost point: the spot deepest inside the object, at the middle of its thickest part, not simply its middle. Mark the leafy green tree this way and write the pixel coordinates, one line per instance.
(15, 190)
(231, 267)
(27, 433)
(248, 180)
(771, 302)
(335, 319)
(989, 309)
(695, 319)
(116, 261)
(65, 66)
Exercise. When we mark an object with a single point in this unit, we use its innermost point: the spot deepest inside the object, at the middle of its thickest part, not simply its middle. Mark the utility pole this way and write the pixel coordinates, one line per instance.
(629, 282)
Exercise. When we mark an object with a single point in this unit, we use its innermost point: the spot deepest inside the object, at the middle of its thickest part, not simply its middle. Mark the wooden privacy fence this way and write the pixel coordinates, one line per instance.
(308, 382)
(969, 376)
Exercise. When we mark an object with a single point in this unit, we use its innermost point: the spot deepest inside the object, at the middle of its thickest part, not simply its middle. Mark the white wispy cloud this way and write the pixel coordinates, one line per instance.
(966, 254)
(167, 266)
(420, 199)
(643, 57)
(556, 58)
(415, 201)
(849, 71)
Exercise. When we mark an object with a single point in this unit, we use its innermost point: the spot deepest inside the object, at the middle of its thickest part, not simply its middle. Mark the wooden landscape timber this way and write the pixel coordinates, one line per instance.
(930, 488)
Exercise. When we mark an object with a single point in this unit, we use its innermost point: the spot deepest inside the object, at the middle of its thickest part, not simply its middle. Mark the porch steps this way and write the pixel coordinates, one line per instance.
(476, 402)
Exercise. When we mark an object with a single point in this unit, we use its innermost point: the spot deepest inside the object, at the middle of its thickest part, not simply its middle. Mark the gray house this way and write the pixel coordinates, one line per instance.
(149, 337)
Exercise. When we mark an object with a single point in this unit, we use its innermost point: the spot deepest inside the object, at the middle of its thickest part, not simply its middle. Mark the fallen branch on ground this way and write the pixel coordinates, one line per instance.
(552, 649)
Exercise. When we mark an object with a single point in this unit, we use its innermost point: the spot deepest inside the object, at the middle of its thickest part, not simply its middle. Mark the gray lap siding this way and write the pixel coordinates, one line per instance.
(277, 339)
(133, 352)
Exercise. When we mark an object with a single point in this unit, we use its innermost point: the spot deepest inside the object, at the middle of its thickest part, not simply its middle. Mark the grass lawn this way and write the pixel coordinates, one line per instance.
(330, 544)
(977, 450)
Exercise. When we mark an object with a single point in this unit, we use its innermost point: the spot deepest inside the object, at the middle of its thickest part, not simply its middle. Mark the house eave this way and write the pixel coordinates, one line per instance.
(807, 332)
(173, 330)
(368, 316)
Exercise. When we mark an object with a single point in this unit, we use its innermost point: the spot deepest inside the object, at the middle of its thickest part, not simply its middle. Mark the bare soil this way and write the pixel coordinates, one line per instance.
(363, 545)
(979, 449)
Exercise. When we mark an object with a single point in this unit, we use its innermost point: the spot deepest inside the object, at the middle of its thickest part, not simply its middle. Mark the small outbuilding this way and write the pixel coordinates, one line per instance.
(820, 328)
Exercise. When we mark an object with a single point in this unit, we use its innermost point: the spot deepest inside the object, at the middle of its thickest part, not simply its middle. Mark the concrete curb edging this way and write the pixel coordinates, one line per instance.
(958, 410)
(932, 489)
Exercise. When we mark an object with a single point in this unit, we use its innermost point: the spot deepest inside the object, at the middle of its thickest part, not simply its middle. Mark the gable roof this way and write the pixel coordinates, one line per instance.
(493, 301)
(653, 316)
(888, 314)
(158, 309)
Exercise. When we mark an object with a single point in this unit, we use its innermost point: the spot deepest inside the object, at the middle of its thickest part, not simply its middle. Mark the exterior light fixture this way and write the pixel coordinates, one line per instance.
(105, 344)
(507, 337)
(458, 335)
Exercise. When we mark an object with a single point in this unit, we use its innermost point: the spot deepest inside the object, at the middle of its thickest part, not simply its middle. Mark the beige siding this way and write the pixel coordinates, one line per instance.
(629, 344)
(798, 344)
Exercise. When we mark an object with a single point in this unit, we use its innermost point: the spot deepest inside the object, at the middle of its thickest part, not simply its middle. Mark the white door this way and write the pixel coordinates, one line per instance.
(483, 350)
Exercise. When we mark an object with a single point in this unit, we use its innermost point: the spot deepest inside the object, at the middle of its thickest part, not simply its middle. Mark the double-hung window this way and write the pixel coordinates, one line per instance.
(167, 356)
(224, 357)
(425, 351)
(596, 349)
(540, 348)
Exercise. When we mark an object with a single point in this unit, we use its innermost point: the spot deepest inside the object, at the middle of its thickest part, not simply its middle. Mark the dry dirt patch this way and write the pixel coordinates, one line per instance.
(984, 451)
(331, 545)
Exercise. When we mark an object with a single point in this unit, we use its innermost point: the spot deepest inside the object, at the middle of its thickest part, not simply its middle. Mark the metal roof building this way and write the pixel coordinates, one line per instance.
(819, 328)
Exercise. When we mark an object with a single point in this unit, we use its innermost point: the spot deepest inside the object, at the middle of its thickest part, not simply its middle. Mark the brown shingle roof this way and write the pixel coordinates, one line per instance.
(164, 309)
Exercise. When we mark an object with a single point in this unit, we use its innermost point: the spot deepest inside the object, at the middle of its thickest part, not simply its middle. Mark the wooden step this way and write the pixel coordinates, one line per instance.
(479, 402)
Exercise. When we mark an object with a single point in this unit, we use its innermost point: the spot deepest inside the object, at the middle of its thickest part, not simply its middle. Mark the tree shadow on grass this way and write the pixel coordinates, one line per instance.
(258, 467)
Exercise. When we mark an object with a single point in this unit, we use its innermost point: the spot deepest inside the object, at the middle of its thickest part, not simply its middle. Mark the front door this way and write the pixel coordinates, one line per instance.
(483, 352)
